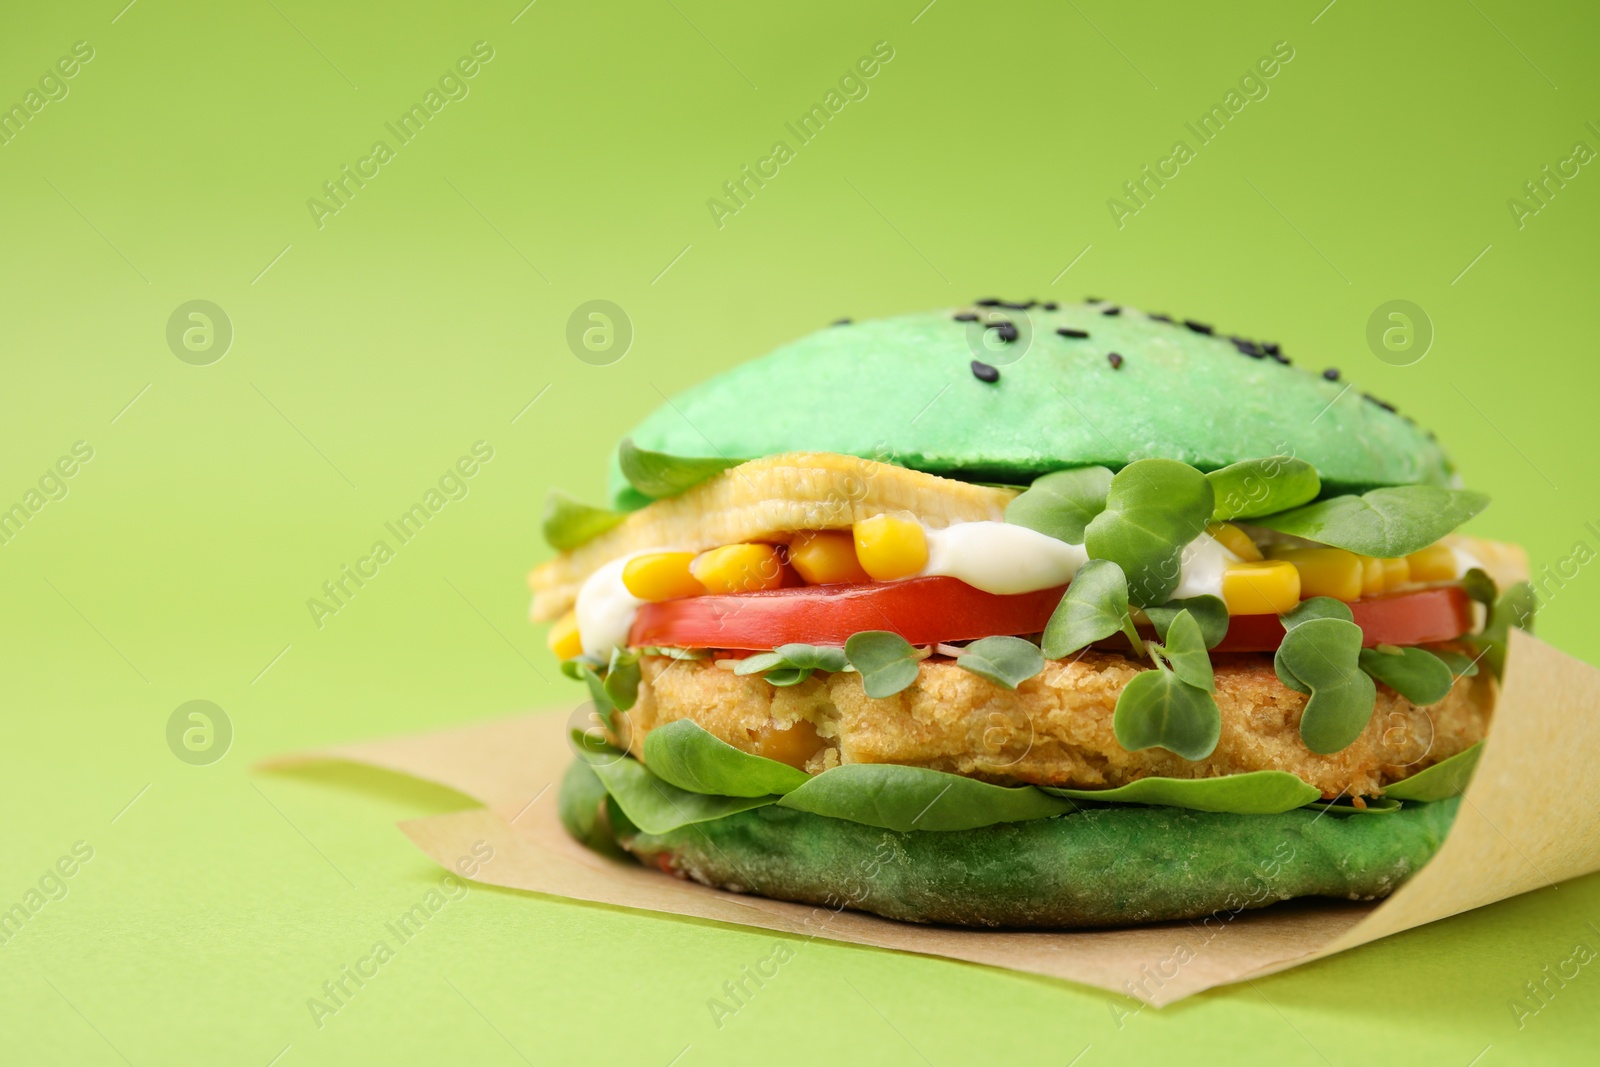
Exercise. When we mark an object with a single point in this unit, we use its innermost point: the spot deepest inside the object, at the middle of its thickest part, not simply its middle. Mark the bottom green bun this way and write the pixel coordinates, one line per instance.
(1109, 866)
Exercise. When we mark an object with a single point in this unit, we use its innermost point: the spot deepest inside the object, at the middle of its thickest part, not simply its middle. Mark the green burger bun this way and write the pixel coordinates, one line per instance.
(1095, 867)
(906, 390)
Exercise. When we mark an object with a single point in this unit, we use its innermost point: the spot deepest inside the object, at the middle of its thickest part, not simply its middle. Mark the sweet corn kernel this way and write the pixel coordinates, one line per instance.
(738, 569)
(1436, 563)
(1270, 587)
(889, 547)
(822, 557)
(1396, 572)
(1235, 540)
(1371, 576)
(563, 638)
(661, 576)
(1325, 571)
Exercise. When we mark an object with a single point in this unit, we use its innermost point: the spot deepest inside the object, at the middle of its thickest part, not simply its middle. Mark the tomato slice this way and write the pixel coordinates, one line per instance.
(927, 611)
(924, 611)
(1443, 613)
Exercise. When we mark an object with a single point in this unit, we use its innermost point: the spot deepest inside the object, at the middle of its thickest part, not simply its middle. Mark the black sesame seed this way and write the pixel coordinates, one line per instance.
(1092, 300)
(1385, 405)
(1247, 347)
(1116, 360)
(1017, 306)
(1068, 331)
(1271, 348)
(985, 373)
(1005, 331)
(966, 316)
(988, 302)
(841, 322)
(1159, 317)
(1197, 327)
(1113, 310)
(1332, 374)
(1049, 305)
(1280, 357)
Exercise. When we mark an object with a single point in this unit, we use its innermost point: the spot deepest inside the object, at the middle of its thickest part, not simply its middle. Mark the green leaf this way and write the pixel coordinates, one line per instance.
(887, 661)
(684, 754)
(1318, 607)
(1480, 586)
(1262, 486)
(1005, 661)
(1155, 508)
(653, 805)
(1374, 806)
(578, 806)
(793, 657)
(1160, 710)
(1062, 504)
(1209, 611)
(1416, 674)
(580, 671)
(1460, 664)
(658, 475)
(1445, 779)
(1094, 607)
(1323, 656)
(1185, 652)
(1395, 521)
(1515, 608)
(568, 524)
(916, 798)
(622, 678)
(1251, 793)
(761, 661)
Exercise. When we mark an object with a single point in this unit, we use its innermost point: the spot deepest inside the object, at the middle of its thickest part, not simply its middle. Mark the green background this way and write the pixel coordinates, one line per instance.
(371, 352)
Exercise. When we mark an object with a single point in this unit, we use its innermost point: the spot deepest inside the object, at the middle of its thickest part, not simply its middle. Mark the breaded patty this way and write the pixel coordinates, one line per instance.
(1055, 729)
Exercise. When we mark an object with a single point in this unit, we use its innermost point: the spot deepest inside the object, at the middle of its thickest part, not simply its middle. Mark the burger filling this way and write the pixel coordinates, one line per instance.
(1083, 633)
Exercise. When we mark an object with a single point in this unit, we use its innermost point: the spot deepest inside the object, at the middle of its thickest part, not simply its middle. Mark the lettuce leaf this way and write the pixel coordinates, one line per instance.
(1445, 779)
(893, 797)
(658, 475)
(653, 805)
(1386, 523)
(1252, 793)
(686, 755)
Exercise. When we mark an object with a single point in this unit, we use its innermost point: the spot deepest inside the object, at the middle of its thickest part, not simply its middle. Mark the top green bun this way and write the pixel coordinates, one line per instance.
(905, 390)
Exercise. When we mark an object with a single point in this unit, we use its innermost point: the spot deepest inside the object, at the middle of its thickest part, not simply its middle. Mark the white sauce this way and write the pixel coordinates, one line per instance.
(606, 609)
(999, 557)
(1204, 560)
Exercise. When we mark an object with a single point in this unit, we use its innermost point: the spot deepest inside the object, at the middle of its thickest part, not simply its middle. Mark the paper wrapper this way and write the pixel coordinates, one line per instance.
(1530, 818)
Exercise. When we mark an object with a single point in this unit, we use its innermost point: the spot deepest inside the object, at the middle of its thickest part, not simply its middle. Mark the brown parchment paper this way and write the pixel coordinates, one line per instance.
(1530, 818)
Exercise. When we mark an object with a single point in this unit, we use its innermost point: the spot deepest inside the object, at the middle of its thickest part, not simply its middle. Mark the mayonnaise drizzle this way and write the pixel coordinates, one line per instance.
(606, 609)
(999, 557)
(1204, 560)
